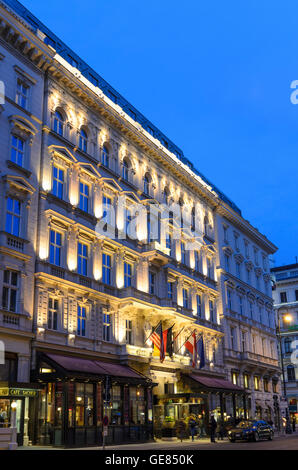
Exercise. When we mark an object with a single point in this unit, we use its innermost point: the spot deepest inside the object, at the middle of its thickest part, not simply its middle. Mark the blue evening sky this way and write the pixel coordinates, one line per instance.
(215, 77)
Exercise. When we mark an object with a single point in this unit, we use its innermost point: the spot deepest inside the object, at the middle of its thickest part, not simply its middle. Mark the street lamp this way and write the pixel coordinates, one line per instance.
(287, 318)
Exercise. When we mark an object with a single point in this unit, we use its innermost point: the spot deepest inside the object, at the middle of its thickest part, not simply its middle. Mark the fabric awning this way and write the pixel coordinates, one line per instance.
(77, 366)
(213, 383)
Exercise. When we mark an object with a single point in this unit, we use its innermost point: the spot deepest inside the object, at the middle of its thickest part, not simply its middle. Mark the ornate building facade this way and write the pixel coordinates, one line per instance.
(94, 196)
(285, 296)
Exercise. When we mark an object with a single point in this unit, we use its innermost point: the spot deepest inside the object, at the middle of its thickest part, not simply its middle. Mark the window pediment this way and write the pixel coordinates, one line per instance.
(22, 127)
(19, 183)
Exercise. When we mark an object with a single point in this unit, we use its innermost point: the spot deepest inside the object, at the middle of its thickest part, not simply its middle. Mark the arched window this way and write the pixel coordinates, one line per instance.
(125, 169)
(58, 123)
(83, 143)
(146, 184)
(291, 373)
(105, 157)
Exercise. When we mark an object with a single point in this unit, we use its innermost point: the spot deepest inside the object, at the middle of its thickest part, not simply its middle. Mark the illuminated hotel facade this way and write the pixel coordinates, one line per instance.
(80, 299)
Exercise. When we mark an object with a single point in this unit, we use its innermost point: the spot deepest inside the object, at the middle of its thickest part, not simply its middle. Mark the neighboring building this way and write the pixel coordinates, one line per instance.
(285, 296)
(250, 346)
(93, 297)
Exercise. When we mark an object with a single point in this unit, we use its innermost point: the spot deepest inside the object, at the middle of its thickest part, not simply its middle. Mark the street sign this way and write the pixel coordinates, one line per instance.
(105, 421)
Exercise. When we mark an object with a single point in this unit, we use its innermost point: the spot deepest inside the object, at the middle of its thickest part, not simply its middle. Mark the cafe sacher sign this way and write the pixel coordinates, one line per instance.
(18, 392)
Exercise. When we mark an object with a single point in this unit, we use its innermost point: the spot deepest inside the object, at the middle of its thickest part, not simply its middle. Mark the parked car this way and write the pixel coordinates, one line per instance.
(251, 430)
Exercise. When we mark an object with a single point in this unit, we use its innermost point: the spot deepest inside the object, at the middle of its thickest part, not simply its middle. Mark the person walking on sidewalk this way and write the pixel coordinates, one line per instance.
(192, 427)
(213, 426)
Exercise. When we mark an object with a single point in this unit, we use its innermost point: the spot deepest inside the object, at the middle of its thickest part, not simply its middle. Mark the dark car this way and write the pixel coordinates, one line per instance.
(251, 430)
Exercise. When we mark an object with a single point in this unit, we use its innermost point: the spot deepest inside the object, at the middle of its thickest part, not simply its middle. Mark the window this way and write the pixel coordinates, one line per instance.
(105, 157)
(107, 327)
(82, 259)
(246, 249)
(58, 181)
(240, 304)
(251, 312)
(84, 197)
(106, 269)
(209, 268)
(243, 341)
(10, 290)
(266, 385)
(58, 123)
(55, 247)
(170, 290)
(232, 336)
(212, 311)
(283, 297)
(227, 263)
(128, 331)
(235, 376)
(291, 373)
(238, 270)
(199, 305)
(22, 94)
(183, 253)
(246, 380)
(13, 216)
(185, 298)
(236, 239)
(127, 274)
(83, 141)
(146, 184)
(229, 299)
(197, 261)
(17, 153)
(274, 387)
(248, 276)
(287, 346)
(52, 314)
(81, 328)
(152, 279)
(107, 209)
(169, 244)
(150, 130)
(125, 170)
(296, 295)
(257, 383)
(225, 231)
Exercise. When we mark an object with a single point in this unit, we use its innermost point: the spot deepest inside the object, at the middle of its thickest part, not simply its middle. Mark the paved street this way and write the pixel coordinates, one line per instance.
(288, 442)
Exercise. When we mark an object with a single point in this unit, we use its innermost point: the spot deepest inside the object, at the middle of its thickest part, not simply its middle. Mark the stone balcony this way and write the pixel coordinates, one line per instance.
(15, 321)
(16, 244)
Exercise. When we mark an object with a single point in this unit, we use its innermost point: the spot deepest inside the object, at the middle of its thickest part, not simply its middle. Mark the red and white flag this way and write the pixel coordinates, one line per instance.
(191, 346)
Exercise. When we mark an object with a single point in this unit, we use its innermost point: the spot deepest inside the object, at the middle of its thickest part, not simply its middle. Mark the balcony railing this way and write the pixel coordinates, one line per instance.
(13, 242)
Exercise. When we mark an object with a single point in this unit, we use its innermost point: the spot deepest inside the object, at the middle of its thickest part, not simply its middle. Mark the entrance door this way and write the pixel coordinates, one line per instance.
(5, 416)
(20, 420)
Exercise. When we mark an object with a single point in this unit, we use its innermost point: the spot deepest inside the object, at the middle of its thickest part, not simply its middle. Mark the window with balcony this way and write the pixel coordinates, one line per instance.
(13, 216)
(106, 269)
(58, 181)
(107, 327)
(10, 290)
(17, 153)
(53, 306)
(82, 259)
(55, 247)
(81, 321)
(127, 274)
(84, 197)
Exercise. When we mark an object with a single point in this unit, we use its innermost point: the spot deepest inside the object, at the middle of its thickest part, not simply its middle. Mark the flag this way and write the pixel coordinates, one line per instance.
(191, 346)
(157, 339)
(168, 341)
(201, 352)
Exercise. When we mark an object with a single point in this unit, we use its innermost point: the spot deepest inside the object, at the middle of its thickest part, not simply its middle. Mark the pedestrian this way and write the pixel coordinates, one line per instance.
(181, 429)
(192, 427)
(212, 426)
(221, 430)
(294, 424)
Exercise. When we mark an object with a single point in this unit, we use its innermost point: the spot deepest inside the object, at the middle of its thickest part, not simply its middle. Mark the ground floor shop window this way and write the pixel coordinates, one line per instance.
(137, 405)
